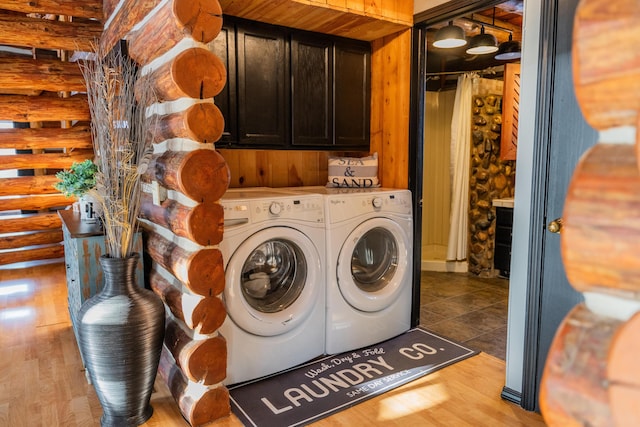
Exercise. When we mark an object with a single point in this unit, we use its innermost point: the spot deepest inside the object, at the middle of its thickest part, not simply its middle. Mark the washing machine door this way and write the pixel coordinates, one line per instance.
(272, 281)
(373, 264)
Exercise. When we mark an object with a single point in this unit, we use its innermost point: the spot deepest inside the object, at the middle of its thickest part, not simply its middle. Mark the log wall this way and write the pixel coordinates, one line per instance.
(52, 127)
(591, 376)
(181, 214)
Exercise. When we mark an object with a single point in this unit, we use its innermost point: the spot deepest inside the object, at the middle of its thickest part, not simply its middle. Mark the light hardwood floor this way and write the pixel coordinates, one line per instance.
(42, 382)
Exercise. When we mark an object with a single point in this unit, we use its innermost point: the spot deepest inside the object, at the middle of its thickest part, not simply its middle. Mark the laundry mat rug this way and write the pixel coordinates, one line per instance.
(315, 390)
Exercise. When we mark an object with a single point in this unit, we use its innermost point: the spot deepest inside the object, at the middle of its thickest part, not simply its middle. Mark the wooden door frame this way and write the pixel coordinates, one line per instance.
(546, 69)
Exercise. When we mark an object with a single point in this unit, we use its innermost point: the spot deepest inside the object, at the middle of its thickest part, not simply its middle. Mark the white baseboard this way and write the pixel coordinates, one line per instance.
(445, 266)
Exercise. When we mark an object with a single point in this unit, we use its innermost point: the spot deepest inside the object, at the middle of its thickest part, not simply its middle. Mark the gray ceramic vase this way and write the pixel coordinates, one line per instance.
(121, 330)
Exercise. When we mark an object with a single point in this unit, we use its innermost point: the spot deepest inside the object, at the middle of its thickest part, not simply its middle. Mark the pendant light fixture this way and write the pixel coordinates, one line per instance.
(509, 50)
(450, 36)
(482, 43)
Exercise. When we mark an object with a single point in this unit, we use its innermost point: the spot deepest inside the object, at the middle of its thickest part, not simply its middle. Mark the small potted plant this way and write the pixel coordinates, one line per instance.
(77, 181)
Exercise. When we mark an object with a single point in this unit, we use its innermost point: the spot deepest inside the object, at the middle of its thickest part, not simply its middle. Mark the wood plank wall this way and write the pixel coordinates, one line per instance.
(36, 86)
(390, 98)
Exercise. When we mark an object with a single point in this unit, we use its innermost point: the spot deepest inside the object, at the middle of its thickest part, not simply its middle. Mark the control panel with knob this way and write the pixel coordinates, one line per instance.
(275, 208)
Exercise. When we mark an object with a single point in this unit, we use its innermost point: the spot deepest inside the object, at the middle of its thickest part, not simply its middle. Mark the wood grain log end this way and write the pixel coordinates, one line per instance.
(205, 122)
(206, 223)
(200, 20)
(205, 175)
(213, 405)
(207, 364)
(209, 315)
(199, 405)
(199, 73)
(206, 273)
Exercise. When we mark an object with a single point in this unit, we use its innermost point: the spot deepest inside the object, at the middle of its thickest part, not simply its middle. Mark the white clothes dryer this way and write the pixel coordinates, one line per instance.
(369, 265)
(274, 256)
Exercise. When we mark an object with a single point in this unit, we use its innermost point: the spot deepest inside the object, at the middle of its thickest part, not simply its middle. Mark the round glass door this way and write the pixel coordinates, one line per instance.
(272, 281)
(373, 264)
(273, 276)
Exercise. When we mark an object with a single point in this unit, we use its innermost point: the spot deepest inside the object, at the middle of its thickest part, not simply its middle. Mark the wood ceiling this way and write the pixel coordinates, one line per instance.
(507, 16)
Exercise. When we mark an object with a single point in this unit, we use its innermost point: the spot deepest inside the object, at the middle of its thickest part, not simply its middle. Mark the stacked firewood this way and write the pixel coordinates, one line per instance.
(181, 215)
(591, 375)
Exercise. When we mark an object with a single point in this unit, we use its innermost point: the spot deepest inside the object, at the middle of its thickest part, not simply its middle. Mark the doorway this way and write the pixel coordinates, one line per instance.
(539, 293)
(463, 98)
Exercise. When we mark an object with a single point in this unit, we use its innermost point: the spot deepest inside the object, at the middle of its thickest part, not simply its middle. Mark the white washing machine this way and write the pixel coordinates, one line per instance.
(369, 265)
(274, 255)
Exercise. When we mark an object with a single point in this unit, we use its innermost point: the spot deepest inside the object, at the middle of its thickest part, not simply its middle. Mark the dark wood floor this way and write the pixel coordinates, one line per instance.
(467, 309)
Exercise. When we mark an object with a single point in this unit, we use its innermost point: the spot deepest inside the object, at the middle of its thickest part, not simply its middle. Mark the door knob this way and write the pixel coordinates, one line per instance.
(555, 226)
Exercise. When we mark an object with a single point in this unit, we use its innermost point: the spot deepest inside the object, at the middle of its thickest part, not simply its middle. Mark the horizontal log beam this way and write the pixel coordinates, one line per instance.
(174, 21)
(43, 161)
(600, 237)
(202, 361)
(24, 92)
(82, 9)
(46, 34)
(123, 20)
(198, 405)
(203, 223)
(38, 254)
(40, 138)
(202, 122)
(202, 175)
(35, 203)
(194, 73)
(40, 74)
(43, 108)
(22, 240)
(204, 315)
(201, 271)
(39, 221)
(32, 185)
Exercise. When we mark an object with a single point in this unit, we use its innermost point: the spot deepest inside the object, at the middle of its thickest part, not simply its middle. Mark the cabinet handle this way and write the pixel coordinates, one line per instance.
(555, 226)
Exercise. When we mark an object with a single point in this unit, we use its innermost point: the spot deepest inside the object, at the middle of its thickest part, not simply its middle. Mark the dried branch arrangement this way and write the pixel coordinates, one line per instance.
(119, 127)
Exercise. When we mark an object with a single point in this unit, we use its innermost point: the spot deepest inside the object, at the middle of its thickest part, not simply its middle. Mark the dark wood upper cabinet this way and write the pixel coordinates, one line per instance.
(352, 92)
(224, 46)
(311, 90)
(293, 89)
(263, 85)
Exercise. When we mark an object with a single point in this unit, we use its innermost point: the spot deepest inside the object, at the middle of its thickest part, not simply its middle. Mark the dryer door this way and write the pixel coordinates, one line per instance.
(273, 281)
(373, 264)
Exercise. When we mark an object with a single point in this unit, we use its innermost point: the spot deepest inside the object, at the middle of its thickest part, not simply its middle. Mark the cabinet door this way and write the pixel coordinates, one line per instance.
(311, 90)
(352, 82)
(224, 46)
(263, 85)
